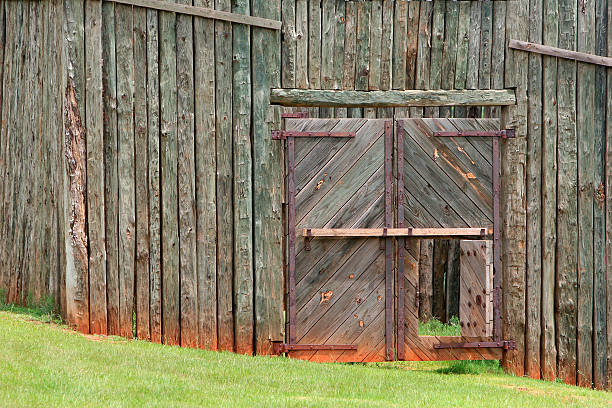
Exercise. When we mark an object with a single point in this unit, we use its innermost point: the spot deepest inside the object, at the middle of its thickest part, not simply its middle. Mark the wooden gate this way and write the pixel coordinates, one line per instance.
(360, 195)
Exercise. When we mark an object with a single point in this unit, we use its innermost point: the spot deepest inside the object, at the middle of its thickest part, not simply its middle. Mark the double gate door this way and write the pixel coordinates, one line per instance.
(360, 193)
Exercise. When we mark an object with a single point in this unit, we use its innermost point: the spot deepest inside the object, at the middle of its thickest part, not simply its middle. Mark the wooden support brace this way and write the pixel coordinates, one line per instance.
(396, 232)
(560, 52)
(203, 12)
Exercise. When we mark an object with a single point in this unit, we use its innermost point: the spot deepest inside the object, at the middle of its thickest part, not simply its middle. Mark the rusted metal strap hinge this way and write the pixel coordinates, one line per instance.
(294, 115)
(280, 348)
(505, 344)
(504, 134)
(284, 134)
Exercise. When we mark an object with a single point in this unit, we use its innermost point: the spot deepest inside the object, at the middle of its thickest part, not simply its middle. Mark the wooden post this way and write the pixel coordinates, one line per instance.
(75, 167)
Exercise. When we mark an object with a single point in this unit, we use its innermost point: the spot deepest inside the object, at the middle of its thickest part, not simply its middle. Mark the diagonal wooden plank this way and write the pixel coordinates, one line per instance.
(303, 146)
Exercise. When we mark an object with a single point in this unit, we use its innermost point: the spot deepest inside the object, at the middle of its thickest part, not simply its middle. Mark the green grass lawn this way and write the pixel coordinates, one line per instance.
(43, 364)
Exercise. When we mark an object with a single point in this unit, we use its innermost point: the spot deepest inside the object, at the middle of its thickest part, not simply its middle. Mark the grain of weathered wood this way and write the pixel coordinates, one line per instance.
(449, 55)
(111, 182)
(567, 241)
(75, 167)
(339, 37)
(141, 157)
(95, 167)
(425, 280)
(474, 52)
(314, 49)
(154, 180)
(608, 158)
(394, 232)
(186, 179)
(205, 168)
(204, 12)
(400, 48)
(486, 40)
(125, 158)
(289, 44)
(362, 58)
(168, 147)
(328, 10)
(534, 198)
(375, 58)
(585, 127)
(549, 192)
(498, 52)
(304, 97)
(463, 42)
(560, 52)
(437, 48)
(512, 193)
(440, 255)
(225, 218)
(243, 196)
(423, 61)
(599, 223)
(350, 50)
(473, 289)
(386, 47)
(301, 52)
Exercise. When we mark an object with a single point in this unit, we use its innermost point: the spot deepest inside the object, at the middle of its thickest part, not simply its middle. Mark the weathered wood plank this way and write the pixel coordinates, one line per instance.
(328, 11)
(154, 187)
(95, 166)
(560, 52)
(486, 40)
(125, 138)
(75, 167)
(204, 12)
(437, 48)
(608, 159)
(567, 184)
(423, 60)
(449, 56)
(186, 179)
(314, 49)
(550, 25)
(243, 200)
(225, 220)
(141, 157)
(498, 52)
(534, 198)
(395, 232)
(463, 43)
(386, 47)
(111, 181)
(400, 48)
(375, 57)
(425, 280)
(474, 52)
(205, 170)
(473, 288)
(599, 222)
(440, 255)
(350, 50)
(289, 44)
(512, 195)
(168, 147)
(362, 59)
(267, 196)
(585, 127)
(345, 98)
(339, 52)
(301, 52)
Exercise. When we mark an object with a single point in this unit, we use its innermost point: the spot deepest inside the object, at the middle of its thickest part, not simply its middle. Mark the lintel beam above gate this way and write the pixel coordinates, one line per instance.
(396, 232)
(355, 99)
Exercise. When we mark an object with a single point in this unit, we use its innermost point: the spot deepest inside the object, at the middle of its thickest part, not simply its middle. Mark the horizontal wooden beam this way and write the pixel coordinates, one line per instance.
(395, 232)
(333, 98)
(560, 52)
(203, 12)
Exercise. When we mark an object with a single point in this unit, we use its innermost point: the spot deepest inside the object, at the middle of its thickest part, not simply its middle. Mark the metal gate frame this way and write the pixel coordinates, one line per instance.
(387, 234)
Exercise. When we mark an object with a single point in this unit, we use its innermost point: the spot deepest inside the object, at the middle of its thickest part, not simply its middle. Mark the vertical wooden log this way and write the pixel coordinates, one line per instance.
(243, 195)
(314, 49)
(453, 276)
(599, 218)
(400, 47)
(350, 50)
(585, 126)
(423, 61)
(474, 53)
(168, 147)
(534, 197)
(95, 166)
(567, 240)
(375, 56)
(328, 11)
(440, 257)
(125, 137)
(550, 24)
(486, 43)
(206, 198)
(463, 45)
(301, 46)
(437, 49)
(498, 51)
(339, 37)
(426, 280)
(153, 143)
(75, 167)
(608, 160)
(111, 181)
(225, 218)
(513, 193)
(362, 59)
(3, 136)
(449, 56)
(141, 158)
(268, 171)
(289, 44)
(186, 178)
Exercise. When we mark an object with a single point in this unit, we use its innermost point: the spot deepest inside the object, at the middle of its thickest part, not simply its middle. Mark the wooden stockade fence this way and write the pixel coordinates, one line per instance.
(139, 176)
